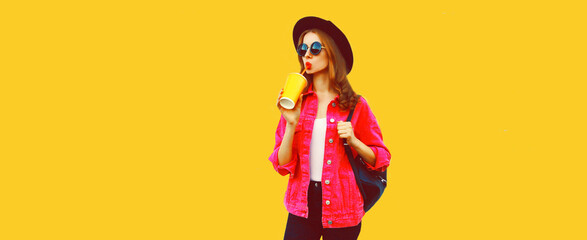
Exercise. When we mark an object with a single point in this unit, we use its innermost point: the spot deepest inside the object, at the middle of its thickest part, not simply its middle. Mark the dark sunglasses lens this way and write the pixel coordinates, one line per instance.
(302, 49)
(316, 48)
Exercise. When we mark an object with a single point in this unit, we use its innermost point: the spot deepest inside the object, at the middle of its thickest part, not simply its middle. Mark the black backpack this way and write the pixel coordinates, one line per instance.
(370, 183)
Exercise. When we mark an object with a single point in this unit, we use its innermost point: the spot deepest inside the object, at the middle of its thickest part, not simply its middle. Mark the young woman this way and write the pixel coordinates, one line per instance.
(322, 197)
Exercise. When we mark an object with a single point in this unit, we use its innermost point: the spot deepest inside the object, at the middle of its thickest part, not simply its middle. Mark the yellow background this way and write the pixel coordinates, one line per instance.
(154, 120)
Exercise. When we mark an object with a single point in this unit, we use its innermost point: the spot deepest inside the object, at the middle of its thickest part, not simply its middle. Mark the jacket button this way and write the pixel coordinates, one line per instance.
(329, 222)
(332, 120)
(327, 182)
(328, 162)
(330, 140)
(333, 104)
(327, 202)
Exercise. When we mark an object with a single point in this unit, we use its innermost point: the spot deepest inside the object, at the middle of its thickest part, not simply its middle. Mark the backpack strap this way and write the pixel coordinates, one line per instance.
(348, 119)
(353, 161)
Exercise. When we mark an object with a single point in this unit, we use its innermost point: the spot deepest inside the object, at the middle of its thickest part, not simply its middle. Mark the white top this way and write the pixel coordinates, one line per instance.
(317, 149)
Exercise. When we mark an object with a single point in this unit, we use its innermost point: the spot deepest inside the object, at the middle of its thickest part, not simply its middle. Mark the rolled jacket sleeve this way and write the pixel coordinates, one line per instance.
(367, 130)
(291, 165)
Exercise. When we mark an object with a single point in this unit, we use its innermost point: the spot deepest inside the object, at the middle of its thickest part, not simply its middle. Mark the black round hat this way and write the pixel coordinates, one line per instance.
(329, 28)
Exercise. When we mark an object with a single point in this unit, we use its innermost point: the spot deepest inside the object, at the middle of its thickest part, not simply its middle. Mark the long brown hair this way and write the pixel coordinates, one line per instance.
(336, 70)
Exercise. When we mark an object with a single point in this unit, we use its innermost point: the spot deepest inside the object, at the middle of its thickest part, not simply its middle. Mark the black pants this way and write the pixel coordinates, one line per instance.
(299, 228)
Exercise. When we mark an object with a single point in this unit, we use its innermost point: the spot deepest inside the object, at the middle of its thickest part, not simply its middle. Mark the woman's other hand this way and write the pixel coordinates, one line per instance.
(345, 130)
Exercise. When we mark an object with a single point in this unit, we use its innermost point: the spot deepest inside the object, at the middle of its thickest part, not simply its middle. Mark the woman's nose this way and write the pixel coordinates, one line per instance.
(308, 55)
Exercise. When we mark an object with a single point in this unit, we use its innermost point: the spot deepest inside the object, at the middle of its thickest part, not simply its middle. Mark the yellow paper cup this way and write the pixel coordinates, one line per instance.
(294, 85)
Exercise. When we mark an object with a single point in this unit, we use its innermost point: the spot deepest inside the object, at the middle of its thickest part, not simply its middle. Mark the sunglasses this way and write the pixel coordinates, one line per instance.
(315, 48)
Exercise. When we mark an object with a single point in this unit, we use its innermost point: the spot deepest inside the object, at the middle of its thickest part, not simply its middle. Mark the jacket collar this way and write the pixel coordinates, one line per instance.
(311, 92)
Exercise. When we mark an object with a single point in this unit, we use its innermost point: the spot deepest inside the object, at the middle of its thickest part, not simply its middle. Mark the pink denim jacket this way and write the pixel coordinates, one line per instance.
(342, 203)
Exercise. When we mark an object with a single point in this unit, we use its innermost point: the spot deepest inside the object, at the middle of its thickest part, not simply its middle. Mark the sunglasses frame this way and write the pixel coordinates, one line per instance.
(298, 49)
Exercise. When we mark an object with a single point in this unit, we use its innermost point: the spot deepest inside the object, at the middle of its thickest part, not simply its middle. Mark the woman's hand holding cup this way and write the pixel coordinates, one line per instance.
(292, 116)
